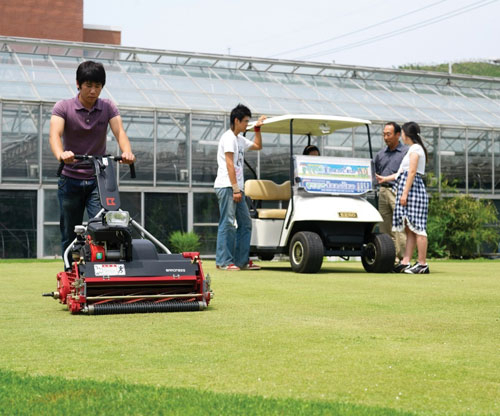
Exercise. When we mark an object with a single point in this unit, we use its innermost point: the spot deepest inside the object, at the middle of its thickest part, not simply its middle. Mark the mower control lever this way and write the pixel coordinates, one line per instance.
(88, 157)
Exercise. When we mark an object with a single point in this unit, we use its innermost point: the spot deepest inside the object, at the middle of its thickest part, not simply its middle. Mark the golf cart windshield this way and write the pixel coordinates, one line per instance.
(325, 175)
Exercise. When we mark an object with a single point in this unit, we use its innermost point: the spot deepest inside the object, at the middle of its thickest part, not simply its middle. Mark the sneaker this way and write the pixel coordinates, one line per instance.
(400, 268)
(418, 268)
(251, 266)
(230, 267)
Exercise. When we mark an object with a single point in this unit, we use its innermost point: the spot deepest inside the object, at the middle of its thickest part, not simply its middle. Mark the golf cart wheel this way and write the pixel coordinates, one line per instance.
(266, 256)
(306, 252)
(379, 254)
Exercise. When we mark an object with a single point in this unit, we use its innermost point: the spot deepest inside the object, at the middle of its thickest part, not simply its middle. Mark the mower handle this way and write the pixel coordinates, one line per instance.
(88, 157)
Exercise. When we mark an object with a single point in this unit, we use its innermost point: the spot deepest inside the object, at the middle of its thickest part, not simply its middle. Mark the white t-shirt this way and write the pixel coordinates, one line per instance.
(236, 145)
(405, 163)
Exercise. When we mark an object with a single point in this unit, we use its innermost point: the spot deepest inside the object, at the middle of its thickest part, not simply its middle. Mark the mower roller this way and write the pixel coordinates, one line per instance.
(113, 273)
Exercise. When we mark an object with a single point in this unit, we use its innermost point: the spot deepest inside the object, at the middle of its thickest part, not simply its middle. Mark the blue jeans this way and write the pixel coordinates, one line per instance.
(233, 244)
(74, 196)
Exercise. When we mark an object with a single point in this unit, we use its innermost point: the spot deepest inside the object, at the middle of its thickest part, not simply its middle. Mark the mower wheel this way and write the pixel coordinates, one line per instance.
(306, 252)
(379, 254)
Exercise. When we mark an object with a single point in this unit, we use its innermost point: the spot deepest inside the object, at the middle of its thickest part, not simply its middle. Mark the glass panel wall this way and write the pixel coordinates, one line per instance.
(45, 77)
(310, 97)
(116, 79)
(213, 86)
(131, 202)
(52, 241)
(338, 144)
(430, 137)
(361, 146)
(321, 91)
(377, 136)
(255, 98)
(275, 155)
(205, 220)
(408, 104)
(338, 91)
(479, 161)
(496, 150)
(452, 156)
(172, 149)
(18, 216)
(251, 166)
(206, 131)
(13, 81)
(49, 164)
(467, 157)
(139, 126)
(51, 231)
(51, 206)
(458, 105)
(165, 213)
(185, 88)
(377, 99)
(20, 140)
(206, 208)
(281, 95)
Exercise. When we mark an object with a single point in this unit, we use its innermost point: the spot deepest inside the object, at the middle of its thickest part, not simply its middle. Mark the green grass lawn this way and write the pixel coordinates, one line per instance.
(338, 342)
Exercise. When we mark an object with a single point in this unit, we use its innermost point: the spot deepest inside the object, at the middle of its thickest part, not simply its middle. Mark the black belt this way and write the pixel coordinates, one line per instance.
(386, 185)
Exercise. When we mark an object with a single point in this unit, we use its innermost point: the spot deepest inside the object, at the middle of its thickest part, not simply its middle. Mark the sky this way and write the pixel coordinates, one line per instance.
(376, 33)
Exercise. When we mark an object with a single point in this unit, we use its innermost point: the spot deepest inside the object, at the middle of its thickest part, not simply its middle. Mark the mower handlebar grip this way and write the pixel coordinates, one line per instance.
(60, 168)
(61, 163)
(131, 166)
(86, 157)
(132, 170)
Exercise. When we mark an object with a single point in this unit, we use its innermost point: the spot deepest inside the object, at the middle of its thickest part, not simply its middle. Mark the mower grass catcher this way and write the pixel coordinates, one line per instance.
(112, 273)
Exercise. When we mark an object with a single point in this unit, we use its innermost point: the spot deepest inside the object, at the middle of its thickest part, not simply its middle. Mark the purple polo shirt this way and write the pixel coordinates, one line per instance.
(84, 131)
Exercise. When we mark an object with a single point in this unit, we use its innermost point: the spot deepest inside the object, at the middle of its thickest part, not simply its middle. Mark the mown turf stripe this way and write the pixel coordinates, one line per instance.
(28, 395)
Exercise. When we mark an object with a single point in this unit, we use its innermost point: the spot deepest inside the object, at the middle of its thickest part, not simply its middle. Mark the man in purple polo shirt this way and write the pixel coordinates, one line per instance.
(79, 126)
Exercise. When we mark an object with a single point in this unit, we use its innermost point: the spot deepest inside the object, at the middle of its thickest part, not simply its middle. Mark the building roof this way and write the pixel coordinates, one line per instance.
(44, 71)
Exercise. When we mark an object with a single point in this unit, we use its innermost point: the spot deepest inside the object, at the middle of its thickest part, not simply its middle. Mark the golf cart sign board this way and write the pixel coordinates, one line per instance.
(334, 176)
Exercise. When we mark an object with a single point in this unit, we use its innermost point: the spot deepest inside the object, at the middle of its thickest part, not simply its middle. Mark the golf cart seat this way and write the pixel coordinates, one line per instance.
(265, 190)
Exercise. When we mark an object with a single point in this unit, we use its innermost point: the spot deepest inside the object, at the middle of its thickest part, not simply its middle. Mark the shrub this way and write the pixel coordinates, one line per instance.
(457, 226)
(181, 241)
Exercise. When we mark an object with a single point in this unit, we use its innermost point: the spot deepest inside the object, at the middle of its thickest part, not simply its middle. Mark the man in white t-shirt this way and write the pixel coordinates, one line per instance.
(235, 225)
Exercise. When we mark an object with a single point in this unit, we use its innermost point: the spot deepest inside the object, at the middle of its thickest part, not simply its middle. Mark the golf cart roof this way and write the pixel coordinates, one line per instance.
(308, 124)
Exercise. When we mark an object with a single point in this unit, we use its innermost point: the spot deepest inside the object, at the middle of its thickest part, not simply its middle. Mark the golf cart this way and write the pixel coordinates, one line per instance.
(326, 211)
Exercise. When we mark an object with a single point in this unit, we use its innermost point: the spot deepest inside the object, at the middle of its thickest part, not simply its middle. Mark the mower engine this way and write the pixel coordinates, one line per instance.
(111, 272)
(114, 273)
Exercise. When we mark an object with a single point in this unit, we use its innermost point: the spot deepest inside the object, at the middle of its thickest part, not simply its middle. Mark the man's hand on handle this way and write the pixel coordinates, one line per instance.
(128, 158)
(67, 157)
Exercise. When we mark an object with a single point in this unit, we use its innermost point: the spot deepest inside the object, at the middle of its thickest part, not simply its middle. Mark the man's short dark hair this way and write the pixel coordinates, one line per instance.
(239, 112)
(397, 127)
(310, 148)
(90, 71)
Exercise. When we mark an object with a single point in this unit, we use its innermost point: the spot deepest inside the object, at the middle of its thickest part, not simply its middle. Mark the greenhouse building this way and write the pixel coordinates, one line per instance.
(175, 106)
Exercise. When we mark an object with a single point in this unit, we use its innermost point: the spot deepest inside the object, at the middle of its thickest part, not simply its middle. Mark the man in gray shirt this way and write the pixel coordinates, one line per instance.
(387, 162)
